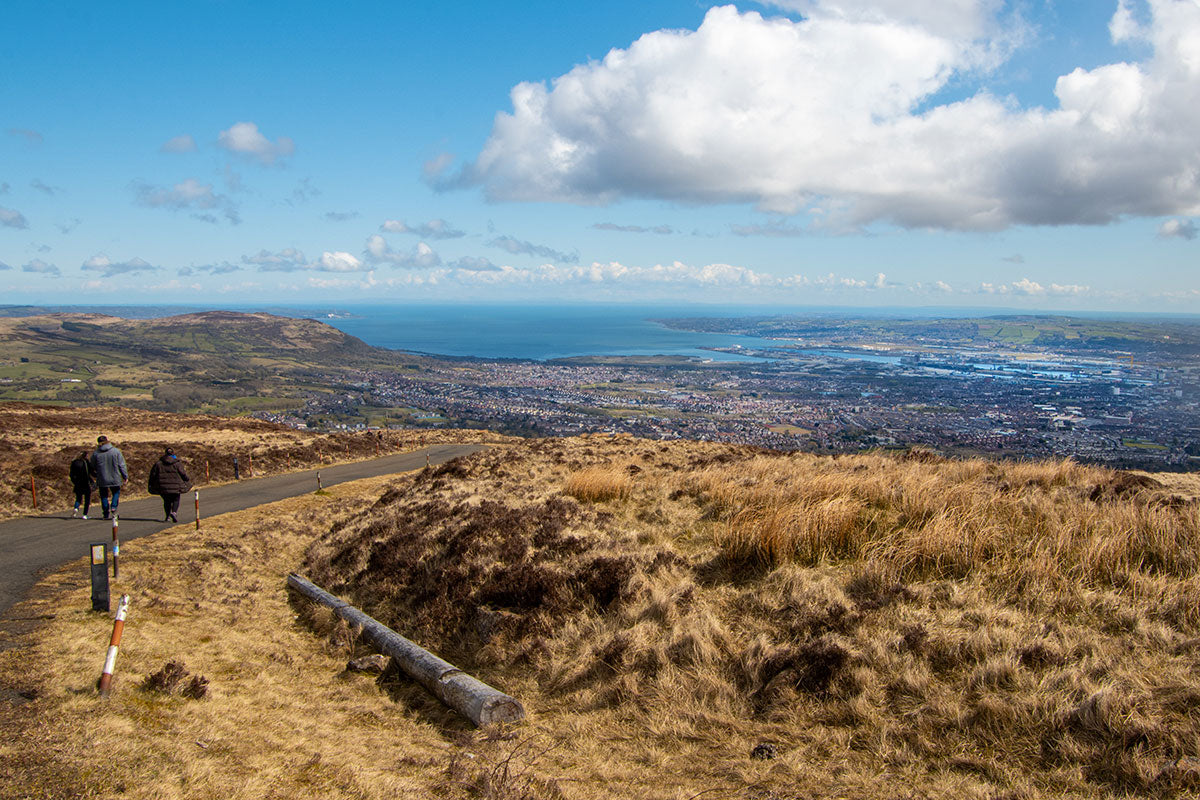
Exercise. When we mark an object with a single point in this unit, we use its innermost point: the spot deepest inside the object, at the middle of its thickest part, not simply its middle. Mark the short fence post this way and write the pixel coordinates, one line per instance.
(197, 509)
(236, 473)
(100, 577)
(33, 489)
(250, 466)
(110, 660)
(206, 470)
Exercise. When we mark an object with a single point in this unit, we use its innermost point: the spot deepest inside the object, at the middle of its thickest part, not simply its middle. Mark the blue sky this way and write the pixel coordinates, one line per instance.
(1029, 154)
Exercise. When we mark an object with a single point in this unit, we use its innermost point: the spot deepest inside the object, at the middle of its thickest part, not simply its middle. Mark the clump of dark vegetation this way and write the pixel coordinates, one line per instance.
(173, 679)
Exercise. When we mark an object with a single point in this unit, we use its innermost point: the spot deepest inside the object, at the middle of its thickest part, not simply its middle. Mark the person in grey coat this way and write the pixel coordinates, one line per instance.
(167, 478)
(108, 467)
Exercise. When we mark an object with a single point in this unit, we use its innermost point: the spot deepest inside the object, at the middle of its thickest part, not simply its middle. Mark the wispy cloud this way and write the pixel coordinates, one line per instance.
(109, 268)
(519, 247)
(222, 268)
(45, 188)
(39, 267)
(433, 229)
(11, 218)
(378, 251)
(69, 225)
(1178, 229)
(341, 216)
(774, 229)
(190, 195)
(244, 139)
(612, 226)
(292, 260)
(179, 144)
(30, 136)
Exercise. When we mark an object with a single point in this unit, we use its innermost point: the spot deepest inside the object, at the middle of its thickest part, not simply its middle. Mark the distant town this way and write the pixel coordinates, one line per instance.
(1029, 388)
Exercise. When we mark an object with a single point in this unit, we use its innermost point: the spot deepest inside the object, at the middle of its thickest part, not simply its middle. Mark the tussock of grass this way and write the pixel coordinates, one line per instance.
(597, 484)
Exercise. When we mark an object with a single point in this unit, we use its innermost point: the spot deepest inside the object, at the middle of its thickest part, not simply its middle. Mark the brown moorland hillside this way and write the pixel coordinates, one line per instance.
(39, 442)
(681, 620)
(672, 611)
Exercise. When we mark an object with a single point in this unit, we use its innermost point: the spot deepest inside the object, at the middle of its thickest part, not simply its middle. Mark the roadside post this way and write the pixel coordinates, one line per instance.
(100, 600)
(206, 470)
(319, 487)
(110, 660)
(33, 489)
(116, 545)
(236, 475)
(250, 466)
(197, 509)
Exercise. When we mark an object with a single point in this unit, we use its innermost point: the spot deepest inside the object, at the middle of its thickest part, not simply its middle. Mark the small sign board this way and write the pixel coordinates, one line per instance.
(100, 600)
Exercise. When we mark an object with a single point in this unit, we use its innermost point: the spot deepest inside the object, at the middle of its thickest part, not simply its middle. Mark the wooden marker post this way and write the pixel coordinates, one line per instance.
(33, 489)
(197, 509)
(206, 470)
(116, 545)
(110, 660)
(250, 465)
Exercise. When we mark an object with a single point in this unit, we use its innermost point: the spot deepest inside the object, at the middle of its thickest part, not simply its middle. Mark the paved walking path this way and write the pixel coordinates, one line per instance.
(32, 546)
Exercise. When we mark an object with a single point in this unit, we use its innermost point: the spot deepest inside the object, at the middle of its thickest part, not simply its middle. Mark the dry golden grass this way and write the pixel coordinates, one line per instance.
(597, 484)
(890, 627)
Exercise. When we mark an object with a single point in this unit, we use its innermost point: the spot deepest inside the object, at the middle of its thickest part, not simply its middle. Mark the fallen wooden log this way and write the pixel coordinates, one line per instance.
(467, 695)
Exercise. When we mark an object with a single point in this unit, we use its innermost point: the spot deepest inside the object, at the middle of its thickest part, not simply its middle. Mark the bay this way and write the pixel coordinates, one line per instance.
(537, 332)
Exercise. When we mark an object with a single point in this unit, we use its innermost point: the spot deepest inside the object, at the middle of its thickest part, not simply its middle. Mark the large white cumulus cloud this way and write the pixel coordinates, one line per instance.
(829, 114)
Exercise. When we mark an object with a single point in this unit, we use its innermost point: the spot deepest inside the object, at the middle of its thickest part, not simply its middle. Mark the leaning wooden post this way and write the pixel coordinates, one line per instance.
(33, 489)
(467, 695)
(110, 660)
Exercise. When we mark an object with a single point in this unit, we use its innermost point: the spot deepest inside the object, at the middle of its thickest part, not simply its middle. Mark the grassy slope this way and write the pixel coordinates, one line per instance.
(213, 361)
(892, 627)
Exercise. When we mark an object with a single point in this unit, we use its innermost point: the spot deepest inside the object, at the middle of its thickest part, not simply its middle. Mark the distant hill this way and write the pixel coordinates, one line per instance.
(215, 361)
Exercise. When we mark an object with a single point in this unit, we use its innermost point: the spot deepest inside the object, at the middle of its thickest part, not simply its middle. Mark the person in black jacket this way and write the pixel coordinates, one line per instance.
(168, 478)
(83, 483)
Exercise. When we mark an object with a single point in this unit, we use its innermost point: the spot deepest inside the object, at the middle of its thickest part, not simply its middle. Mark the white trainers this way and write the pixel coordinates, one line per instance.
(84, 516)
(75, 513)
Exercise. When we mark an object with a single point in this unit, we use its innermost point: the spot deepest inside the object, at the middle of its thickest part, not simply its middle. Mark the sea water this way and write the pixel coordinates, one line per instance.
(538, 332)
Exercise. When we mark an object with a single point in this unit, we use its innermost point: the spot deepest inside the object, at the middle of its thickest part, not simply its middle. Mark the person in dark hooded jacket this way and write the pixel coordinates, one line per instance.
(83, 483)
(168, 478)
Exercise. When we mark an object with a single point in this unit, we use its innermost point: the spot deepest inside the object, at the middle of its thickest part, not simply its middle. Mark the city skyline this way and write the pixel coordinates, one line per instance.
(797, 152)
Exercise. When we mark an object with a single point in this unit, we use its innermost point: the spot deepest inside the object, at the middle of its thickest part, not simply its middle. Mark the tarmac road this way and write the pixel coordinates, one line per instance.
(32, 546)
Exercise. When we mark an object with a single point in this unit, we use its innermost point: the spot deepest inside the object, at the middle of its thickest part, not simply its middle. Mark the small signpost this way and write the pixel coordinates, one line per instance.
(100, 598)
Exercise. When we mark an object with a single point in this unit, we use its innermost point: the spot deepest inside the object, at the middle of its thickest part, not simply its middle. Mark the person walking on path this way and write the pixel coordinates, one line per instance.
(108, 465)
(83, 483)
(167, 478)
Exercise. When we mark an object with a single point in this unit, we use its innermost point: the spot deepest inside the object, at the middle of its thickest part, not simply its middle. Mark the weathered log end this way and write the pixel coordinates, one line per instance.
(501, 709)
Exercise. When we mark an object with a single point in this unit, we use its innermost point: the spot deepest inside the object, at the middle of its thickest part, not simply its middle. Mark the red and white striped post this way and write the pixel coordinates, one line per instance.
(197, 509)
(110, 660)
(116, 545)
